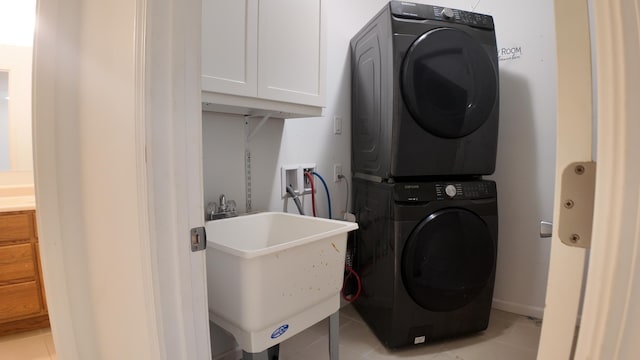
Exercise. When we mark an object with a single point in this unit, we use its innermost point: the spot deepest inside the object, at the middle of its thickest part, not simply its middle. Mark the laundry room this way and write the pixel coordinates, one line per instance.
(250, 154)
(324, 179)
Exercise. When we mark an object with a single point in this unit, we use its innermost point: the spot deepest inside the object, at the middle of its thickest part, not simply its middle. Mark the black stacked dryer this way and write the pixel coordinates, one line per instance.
(424, 93)
(424, 131)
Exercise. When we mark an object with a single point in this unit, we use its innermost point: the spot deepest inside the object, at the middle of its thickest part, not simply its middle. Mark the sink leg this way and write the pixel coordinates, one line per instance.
(334, 335)
(272, 353)
(255, 356)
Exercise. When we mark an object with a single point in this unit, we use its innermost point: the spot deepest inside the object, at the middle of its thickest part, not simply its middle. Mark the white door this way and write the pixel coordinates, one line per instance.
(173, 129)
(609, 325)
(118, 173)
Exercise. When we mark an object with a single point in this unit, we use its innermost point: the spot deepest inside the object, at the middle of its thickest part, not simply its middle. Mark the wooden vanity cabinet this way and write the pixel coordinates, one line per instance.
(22, 301)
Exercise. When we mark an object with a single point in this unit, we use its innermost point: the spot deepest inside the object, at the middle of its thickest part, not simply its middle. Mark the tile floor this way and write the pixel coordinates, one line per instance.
(31, 345)
(508, 337)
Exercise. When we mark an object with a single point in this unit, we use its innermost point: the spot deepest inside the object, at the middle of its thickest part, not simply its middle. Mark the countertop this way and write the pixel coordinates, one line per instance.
(17, 203)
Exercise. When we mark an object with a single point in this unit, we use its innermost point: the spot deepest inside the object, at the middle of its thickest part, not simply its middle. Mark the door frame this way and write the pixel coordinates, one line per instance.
(173, 126)
(613, 284)
(574, 134)
(609, 326)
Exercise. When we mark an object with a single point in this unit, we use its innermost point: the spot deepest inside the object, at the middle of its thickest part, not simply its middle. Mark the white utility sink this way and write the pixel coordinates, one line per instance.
(272, 275)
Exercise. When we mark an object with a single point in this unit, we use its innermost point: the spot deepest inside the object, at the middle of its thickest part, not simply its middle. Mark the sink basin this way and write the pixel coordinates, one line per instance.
(272, 275)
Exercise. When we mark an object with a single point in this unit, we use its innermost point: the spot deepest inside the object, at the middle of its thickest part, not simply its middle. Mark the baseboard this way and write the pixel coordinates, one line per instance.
(516, 308)
(28, 324)
(233, 354)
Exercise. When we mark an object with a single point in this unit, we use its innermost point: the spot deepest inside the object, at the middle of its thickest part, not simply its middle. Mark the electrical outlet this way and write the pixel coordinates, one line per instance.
(337, 172)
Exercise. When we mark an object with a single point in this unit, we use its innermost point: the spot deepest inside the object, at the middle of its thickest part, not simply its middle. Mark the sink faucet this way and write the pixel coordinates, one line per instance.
(226, 209)
(223, 204)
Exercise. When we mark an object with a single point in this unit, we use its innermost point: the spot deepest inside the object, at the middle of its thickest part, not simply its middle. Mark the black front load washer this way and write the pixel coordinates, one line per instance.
(424, 93)
(426, 256)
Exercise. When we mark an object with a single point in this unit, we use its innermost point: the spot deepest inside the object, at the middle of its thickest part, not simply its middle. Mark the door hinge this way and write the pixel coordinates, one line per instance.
(198, 239)
(577, 194)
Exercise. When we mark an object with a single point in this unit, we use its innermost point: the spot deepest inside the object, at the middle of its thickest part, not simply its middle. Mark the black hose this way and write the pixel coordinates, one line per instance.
(294, 196)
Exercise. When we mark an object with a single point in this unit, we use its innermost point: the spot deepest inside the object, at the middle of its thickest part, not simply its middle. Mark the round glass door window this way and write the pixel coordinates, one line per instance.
(448, 259)
(448, 82)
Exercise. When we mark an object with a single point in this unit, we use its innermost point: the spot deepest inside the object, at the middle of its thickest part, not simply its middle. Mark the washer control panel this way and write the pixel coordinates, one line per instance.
(451, 190)
(464, 190)
(409, 10)
(433, 191)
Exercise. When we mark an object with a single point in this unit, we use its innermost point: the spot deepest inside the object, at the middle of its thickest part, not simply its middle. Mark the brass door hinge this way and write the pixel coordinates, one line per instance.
(577, 193)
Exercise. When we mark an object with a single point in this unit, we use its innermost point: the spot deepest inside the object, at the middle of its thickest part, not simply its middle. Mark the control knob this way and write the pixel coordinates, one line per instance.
(450, 190)
(447, 13)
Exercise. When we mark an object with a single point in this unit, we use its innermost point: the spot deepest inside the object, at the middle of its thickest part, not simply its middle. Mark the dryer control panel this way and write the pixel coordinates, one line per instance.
(409, 10)
(432, 191)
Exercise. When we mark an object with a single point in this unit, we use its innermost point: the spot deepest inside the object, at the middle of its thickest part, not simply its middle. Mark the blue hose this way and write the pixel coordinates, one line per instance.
(325, 189)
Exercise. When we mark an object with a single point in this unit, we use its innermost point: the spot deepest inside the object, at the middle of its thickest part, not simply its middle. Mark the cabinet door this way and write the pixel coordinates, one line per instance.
(19, 300)
(229, 46)
(291, 51)
(15, 226)
(17, 262)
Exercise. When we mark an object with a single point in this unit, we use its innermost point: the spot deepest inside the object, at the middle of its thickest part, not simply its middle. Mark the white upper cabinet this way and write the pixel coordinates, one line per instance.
(291, 51)
(264, 57)
(230, 47)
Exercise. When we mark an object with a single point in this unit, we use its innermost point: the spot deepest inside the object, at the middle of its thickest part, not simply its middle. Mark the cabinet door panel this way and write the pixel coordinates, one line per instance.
(16, 262)
(229, 46)
(15, 227)
(19, 300)
(291, 51)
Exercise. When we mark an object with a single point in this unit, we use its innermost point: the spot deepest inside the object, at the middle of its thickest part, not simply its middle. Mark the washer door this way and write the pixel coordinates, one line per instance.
(448, 82)
(448, 259)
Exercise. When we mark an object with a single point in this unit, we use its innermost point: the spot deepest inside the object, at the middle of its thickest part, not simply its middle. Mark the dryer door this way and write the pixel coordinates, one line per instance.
(449, 83)
(448, 259)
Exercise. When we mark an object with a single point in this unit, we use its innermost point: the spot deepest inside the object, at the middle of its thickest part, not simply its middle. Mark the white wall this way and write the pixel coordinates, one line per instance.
(526, 150)
(17, 20)
(525, 166)
(16, 60)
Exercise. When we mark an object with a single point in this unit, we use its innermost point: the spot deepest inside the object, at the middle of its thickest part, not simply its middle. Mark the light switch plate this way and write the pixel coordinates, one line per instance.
(337, 125)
